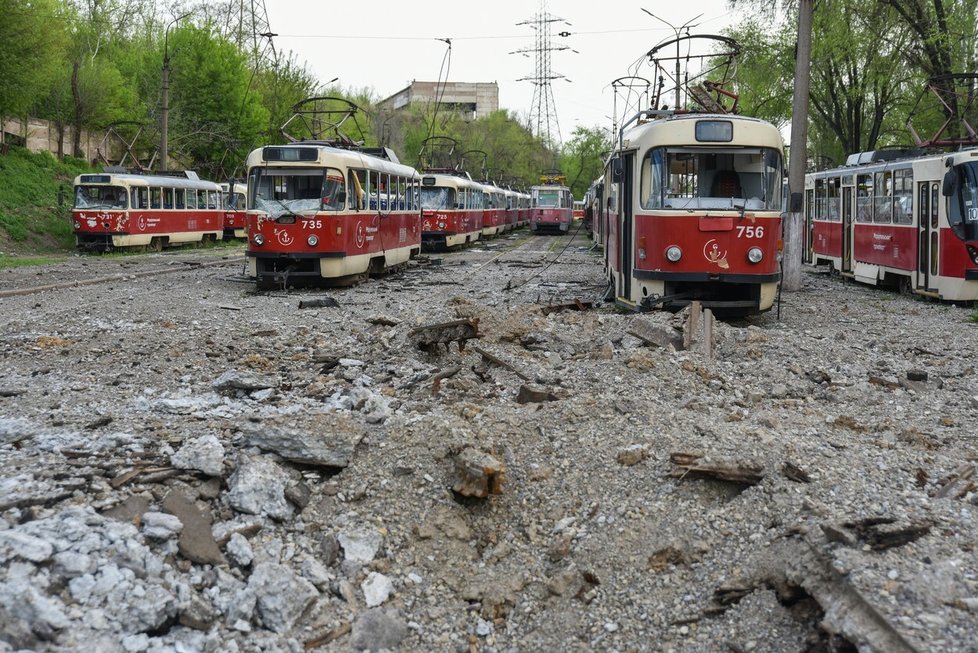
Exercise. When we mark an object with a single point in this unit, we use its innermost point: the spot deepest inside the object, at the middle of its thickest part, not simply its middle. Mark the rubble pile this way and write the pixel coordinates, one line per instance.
(465, 457)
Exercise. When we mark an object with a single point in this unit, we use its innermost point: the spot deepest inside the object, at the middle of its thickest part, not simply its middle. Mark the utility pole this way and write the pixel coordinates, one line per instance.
(793, 227)
(165, 95)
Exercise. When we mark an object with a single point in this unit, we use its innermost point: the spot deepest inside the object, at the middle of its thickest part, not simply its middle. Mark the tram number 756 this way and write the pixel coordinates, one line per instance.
(750, 232)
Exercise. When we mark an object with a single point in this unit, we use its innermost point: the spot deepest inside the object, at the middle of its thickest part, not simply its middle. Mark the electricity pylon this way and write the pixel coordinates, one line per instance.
(543, 113)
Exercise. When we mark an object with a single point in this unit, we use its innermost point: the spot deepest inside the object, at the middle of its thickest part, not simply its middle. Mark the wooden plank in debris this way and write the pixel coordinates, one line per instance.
(576, 305)
(698, 332)
(478, 474)
(441, 376)
(881, 533)
(847, 611)
(958, 483)
(429, 336)
(736, 472)
(492, 358)
(328, 637)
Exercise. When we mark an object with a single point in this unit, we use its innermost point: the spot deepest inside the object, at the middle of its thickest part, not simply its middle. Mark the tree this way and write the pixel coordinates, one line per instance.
(214, 119)
(582, 158)
(31, 34)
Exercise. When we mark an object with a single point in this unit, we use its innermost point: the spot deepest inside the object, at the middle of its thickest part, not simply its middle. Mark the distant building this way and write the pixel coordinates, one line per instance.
(473, 100)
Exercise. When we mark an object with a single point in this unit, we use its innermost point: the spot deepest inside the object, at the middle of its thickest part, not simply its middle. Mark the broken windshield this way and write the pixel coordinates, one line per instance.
(297, 191)
(100, 197)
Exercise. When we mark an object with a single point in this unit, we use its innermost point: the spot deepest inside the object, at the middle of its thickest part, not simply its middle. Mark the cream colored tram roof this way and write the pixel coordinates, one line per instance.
(332, 157)
(148, 180)
(679, 130)
(444, 179)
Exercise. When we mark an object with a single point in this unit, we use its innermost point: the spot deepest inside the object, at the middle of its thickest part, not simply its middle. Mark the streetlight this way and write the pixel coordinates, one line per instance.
(165, 93)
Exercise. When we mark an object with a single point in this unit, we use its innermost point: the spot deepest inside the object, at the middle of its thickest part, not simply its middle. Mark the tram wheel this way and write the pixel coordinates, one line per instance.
(156, 244)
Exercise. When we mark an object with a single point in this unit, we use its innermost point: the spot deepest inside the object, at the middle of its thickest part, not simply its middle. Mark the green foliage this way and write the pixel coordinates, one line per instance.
(30, 49)
(582, 159)
(214, 119)
(30, 214)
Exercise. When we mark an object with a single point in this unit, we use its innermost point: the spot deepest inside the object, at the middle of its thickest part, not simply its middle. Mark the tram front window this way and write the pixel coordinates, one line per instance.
(548, 199)
(687, 178)
(100, 197)
(297, 191)
(437, 198)
(963, 202)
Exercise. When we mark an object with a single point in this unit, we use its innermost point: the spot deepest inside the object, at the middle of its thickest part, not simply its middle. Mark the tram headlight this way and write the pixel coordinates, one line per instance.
(313, 240)
(259, 239)
(755, 254)
(77, 224)
(673, 253)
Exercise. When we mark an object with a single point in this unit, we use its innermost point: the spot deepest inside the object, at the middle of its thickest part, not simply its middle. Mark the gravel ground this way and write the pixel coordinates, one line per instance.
(189, 465)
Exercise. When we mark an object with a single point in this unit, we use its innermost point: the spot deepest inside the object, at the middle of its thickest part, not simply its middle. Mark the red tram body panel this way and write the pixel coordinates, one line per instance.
(902, 218)
(451, 210)
(114, 210)
(325, 214)
(692, 204)
(551, 207)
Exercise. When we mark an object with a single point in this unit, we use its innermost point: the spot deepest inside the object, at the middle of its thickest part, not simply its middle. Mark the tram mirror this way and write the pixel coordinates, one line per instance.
(617, 171)
(795, 203)
(950, 185)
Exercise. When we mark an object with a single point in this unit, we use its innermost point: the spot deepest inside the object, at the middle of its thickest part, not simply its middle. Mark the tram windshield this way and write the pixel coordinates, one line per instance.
(296, 191)
(101, 197)
(548, 198)
(437, 198)
(963, 206)
(694, 178)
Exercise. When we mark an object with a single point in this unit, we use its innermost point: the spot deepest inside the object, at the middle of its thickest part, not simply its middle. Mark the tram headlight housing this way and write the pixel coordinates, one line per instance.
(313, 240)
(755, 254)
(77, 224)
(973, 253)
(673, 253)
(259, 239)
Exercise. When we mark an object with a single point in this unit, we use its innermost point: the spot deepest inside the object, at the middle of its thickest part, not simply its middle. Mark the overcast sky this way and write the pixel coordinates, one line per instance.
(383, 45)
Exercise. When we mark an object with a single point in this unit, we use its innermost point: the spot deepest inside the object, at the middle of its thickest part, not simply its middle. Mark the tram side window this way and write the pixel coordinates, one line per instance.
(334, 191)
(821, 198)
(903, 196)
(192, 199)
(180, 198)
(140, 198)
(156, 198)
(358, 189)
(883, 197)
(833, 199)
(864, 198)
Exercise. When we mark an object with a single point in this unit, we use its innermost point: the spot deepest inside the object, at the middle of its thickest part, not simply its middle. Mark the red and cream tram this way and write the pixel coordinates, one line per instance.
(326, 214)
(694, 212)
(551, 205)
(233, 195)
(451, 210)
(133, 210)
(494, 210)
(908, 222)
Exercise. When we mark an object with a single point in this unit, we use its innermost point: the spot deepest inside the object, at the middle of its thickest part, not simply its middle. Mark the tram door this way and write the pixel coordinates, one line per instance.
(847, 192)
(928, 204)
(626, 222)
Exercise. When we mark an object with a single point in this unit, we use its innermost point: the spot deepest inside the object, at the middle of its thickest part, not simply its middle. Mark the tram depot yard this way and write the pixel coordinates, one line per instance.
(190, 465)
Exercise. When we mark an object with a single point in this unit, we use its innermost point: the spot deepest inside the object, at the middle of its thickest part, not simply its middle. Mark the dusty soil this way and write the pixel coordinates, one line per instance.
(189, 465)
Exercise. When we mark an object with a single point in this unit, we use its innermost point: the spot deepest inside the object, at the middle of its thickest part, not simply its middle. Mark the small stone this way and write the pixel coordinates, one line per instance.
(204, 454)
(361, 545)
(377, 588)
(632, 455)
(160, 525)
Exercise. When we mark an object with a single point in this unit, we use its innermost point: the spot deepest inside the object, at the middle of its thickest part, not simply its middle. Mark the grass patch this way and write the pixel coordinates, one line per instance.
(35, 201)
(23, 262)
(974, 315)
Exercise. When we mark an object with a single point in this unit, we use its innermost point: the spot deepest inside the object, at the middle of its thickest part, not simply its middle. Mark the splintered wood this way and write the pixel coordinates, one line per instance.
(699, 334)
(687, 464)
(428, 337)
(478, 474)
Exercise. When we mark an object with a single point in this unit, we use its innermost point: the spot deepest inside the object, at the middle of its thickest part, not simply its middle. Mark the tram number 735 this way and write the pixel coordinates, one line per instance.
(312, 224)
(750, 232)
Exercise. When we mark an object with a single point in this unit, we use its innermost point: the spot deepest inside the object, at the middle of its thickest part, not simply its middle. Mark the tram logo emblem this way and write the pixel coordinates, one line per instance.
(361, 235)
(141, 223)
(284, 237)
(711, 250)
